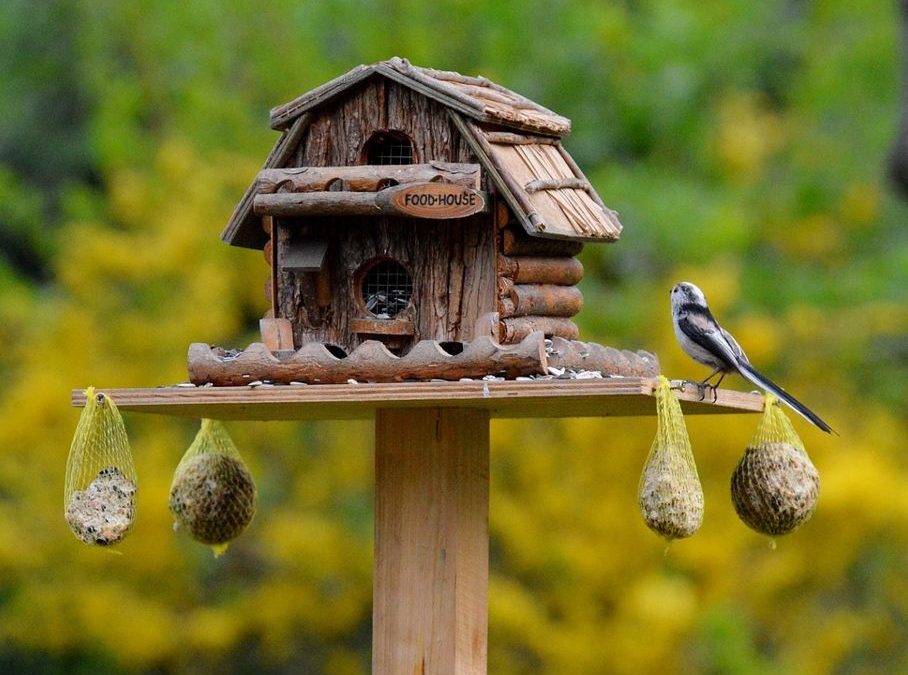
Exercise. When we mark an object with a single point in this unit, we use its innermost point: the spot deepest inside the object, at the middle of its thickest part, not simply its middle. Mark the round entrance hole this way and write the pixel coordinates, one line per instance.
(386, 289)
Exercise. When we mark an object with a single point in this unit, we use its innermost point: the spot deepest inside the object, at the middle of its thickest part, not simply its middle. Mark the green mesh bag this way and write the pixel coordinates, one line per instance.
(670, 495)
(213, 494)
(100, 486)
(775, 487)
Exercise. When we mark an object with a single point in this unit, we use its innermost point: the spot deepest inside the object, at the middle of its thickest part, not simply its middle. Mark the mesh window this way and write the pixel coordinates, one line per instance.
(386, 148)
(387, 288)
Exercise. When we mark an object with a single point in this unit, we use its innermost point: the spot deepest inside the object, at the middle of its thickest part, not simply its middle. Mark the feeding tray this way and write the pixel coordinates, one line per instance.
(501, 399)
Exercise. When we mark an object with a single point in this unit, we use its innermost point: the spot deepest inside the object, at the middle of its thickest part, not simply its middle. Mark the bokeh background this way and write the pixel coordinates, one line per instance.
(744, 145)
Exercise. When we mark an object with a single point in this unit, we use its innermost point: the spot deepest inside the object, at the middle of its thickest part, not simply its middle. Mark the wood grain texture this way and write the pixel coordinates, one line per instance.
(546, 300)
(371, 361)
(515, 328)
(541, 270)
(430, 588)
(277, 334)
(451, 262)
(620, 396)
(517, 242)
(365, 178)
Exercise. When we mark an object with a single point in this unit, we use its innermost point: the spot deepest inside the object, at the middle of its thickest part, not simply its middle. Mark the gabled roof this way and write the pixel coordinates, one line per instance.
(474, 97)
(517, 141)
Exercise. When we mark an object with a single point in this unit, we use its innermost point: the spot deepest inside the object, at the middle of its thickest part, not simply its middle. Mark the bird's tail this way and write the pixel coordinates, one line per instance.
(765, 383)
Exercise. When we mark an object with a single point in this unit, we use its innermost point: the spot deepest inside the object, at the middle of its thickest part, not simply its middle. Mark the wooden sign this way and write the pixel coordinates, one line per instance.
(433, 200)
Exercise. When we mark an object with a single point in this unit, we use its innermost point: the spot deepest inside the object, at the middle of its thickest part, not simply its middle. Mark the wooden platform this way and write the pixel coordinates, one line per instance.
(430, 583)
(610, 397)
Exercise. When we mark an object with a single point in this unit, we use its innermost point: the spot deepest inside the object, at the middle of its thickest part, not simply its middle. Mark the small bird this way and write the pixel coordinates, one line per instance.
(706, 342)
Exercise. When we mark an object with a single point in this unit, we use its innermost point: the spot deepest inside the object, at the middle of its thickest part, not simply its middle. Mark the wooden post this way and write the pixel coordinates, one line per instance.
(430, 594)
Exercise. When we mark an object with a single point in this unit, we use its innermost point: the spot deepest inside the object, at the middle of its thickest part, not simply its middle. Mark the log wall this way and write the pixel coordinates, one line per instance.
(536, 284)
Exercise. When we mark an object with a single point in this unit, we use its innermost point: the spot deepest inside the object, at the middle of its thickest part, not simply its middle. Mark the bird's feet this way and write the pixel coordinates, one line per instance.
(704, 387)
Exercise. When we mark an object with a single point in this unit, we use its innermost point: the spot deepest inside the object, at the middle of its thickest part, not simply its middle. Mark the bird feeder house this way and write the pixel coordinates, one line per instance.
(419, 225)
(421, 229)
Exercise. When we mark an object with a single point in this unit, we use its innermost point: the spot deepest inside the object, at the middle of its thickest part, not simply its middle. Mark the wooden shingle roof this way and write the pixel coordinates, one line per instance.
(517, 141)
(474, 97)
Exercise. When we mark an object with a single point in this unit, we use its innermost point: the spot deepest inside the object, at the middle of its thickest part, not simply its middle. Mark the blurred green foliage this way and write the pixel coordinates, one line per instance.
(743, 144)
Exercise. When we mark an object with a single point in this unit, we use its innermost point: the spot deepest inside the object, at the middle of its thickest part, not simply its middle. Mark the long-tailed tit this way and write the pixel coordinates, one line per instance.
(706, 342)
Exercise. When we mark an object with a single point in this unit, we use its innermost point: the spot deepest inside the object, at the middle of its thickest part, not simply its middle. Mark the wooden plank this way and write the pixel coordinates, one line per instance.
(270, 227)
(624, 396)
(383, 203)
(285, 204)
(282, 115)
(510, 190)
(365, 178)
(508, 138)
(430, 586)
(382, 326)
(277, 334)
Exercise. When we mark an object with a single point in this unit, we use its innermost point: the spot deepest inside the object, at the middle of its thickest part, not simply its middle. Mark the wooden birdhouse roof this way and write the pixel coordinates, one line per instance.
(475, 97)
(517, 142)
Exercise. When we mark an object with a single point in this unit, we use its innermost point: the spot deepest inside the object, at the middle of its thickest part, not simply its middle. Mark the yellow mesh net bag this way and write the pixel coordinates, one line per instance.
(775, 486)
(670, 495)
(213, 495)
(100, 487)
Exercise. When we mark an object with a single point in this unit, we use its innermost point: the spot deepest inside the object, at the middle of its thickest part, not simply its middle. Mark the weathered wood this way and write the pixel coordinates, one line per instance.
(509, 138)
(535, 270)
(277, 334)
(454, 282)
(270, 250)
(508, 399)
(546, 300)
(558, 184)
(371, 361)
(502, 214)
(323, 288)
(516, 328)
(365, 178)
(570, 213)
(302, 204)
(575, 355)
(339, 132)
(575, 168)
(382, 327)
(505, 306)
(510, 188)
(466, 97)
(283, 115)
(430, 585)
(518, 243)
(387, 202)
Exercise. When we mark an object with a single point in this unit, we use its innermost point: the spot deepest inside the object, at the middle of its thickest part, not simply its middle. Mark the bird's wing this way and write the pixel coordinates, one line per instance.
(733, 345)
(701, 328)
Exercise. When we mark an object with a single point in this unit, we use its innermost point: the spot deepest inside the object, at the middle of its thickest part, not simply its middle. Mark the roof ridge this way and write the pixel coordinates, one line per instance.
(475, 96)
